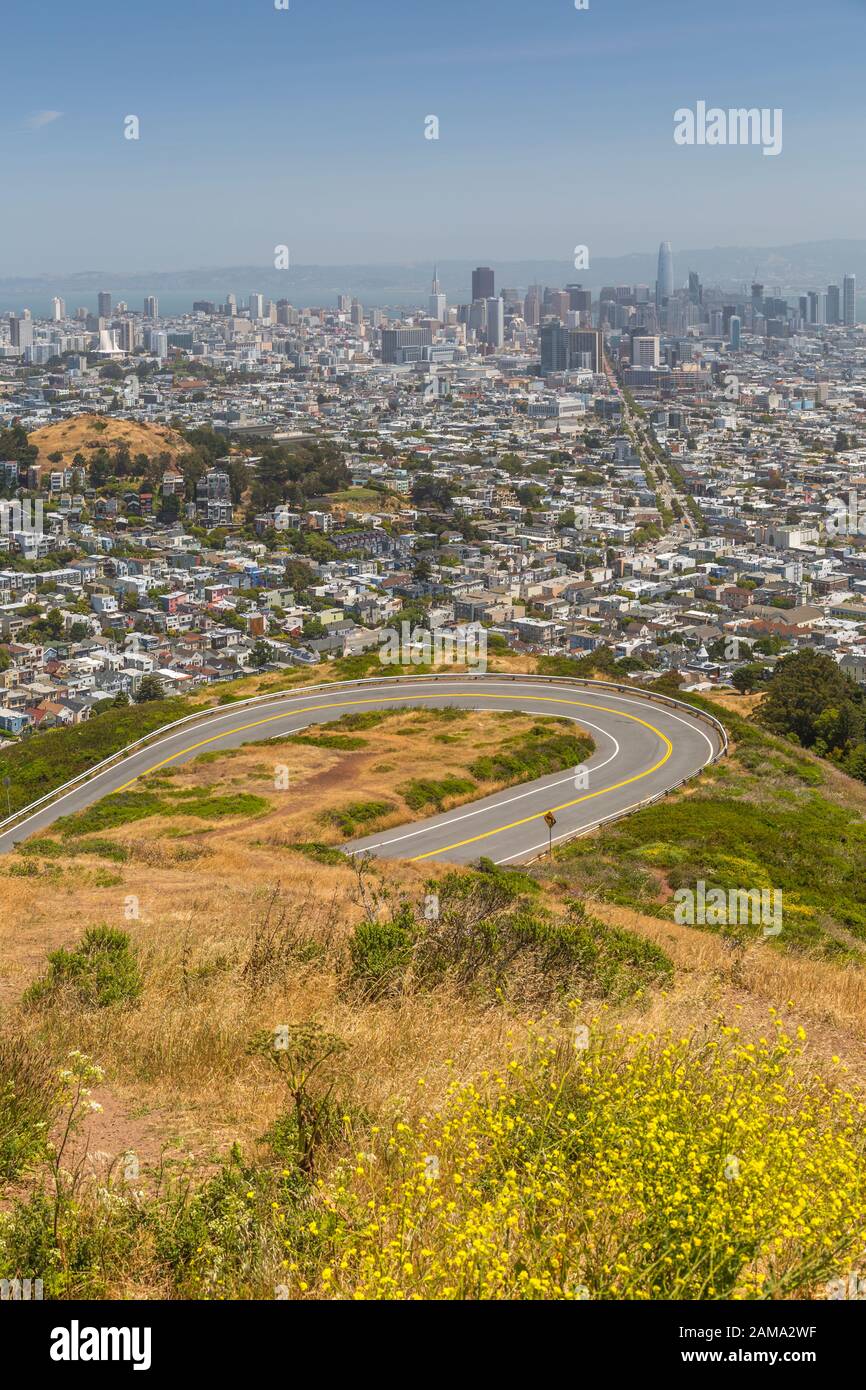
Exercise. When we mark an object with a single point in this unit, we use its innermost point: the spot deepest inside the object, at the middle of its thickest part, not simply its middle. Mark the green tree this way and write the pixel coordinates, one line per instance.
(151, 688)
(805, 685)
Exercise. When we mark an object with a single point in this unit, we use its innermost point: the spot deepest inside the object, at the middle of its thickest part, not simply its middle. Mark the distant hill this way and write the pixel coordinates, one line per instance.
(792, 269)
(85, 433)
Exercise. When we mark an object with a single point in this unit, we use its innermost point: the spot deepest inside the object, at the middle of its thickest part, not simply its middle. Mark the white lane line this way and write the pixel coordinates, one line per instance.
(571, 834)
(216, 720)
(519, 796)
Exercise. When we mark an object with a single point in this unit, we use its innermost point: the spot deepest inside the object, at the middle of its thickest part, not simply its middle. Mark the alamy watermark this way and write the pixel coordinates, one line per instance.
(18, 517)
(850, 1286)
(846, 519)
(715, 907)
(20, 1290)
(737, 126)
(418, 646)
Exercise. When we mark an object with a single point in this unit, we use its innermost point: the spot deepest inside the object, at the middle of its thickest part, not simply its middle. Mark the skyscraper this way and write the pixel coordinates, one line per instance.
(495, 323)
(151, 307)
(834, 304)
(58, 310)
(104, 304)
(849, 300)
(21, 332)
(257, 306)
(665, 278)
(532, 307)
(437, 303)
(483, 283)
(734, 329)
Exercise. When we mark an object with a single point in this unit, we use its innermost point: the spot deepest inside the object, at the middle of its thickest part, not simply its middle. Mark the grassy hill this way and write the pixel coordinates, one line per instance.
(84, 433)
(323, 1079)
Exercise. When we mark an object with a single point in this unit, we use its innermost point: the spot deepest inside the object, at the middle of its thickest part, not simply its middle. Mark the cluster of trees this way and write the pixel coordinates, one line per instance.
(811, 700)
(14, 444)
(428, 491)
(294, 473)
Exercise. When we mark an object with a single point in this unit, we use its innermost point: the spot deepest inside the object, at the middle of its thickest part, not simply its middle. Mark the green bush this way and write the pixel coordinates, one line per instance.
(357, 815)
(101, 971)
(425, 792)
(535, 754)
(320, 854)
(380, 953)
(28, 1104)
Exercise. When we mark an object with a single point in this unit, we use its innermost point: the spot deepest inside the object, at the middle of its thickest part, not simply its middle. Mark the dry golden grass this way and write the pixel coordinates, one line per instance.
(84, 433)
(177, 1070)
(202, 890)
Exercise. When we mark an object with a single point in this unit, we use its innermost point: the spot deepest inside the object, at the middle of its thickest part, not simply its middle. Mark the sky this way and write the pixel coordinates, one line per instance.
(305, 127)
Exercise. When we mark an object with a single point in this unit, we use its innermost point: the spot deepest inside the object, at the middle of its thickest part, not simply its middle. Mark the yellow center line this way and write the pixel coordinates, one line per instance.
(393, 699)
(539, 815)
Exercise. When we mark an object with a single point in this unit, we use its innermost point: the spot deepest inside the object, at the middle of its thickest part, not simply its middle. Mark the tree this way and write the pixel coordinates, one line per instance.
(299, 576)
(261, 655)
(804, 686)
(430, 491)
(749, 677)
(151, 688)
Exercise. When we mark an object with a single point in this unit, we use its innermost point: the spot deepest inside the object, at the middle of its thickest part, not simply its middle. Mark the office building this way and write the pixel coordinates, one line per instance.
(665, 277)
(495, 323)
(849, 300)
(532, 307)
(257, 306)
(567, 350)
(483, 283)
(645, 352)
(437, 304)
(58, 310)
(21, 332)
(151, 307)
(401, 345)
(834, 304)
(103, 305)
(734, 333)
(586, 350)
(127, 336)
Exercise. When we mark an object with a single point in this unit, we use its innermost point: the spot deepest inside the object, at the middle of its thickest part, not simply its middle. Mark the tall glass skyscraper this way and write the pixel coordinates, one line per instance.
(665, 278)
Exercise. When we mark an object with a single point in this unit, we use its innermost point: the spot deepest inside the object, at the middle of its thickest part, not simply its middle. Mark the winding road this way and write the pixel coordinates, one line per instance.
(645, 746)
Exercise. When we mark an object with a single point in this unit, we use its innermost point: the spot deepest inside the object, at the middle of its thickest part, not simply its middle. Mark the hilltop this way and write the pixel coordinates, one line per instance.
(85, 433)
(209, 911)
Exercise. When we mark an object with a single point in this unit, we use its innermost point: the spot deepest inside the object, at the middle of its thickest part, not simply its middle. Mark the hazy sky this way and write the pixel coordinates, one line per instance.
(306, 127)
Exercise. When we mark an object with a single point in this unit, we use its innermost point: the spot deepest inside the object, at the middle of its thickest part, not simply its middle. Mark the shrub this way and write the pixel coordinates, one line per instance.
(101, 971)
(424, 792)
(357, 814)
(28, 1104)
(380, 953)
(320, 854)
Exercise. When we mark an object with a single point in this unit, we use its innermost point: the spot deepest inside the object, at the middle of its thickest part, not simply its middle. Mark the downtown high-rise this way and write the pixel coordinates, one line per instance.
(665, 275)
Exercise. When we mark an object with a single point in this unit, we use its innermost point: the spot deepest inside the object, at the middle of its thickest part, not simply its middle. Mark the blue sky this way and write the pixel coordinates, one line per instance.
(306, 127)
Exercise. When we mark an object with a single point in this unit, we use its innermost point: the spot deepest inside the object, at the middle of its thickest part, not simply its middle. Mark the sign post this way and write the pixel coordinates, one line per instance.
(550, 821)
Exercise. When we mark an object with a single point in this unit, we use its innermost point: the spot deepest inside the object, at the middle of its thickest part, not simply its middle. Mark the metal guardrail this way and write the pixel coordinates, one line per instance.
(206, 716)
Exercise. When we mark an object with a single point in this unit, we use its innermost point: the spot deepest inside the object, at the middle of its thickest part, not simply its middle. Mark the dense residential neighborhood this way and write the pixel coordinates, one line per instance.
(661, 486)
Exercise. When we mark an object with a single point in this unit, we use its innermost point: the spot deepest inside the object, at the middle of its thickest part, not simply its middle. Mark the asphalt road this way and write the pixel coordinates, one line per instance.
(643, 748)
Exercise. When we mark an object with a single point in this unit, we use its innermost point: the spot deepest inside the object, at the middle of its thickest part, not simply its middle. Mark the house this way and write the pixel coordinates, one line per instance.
(854, 666)
(13, 721)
